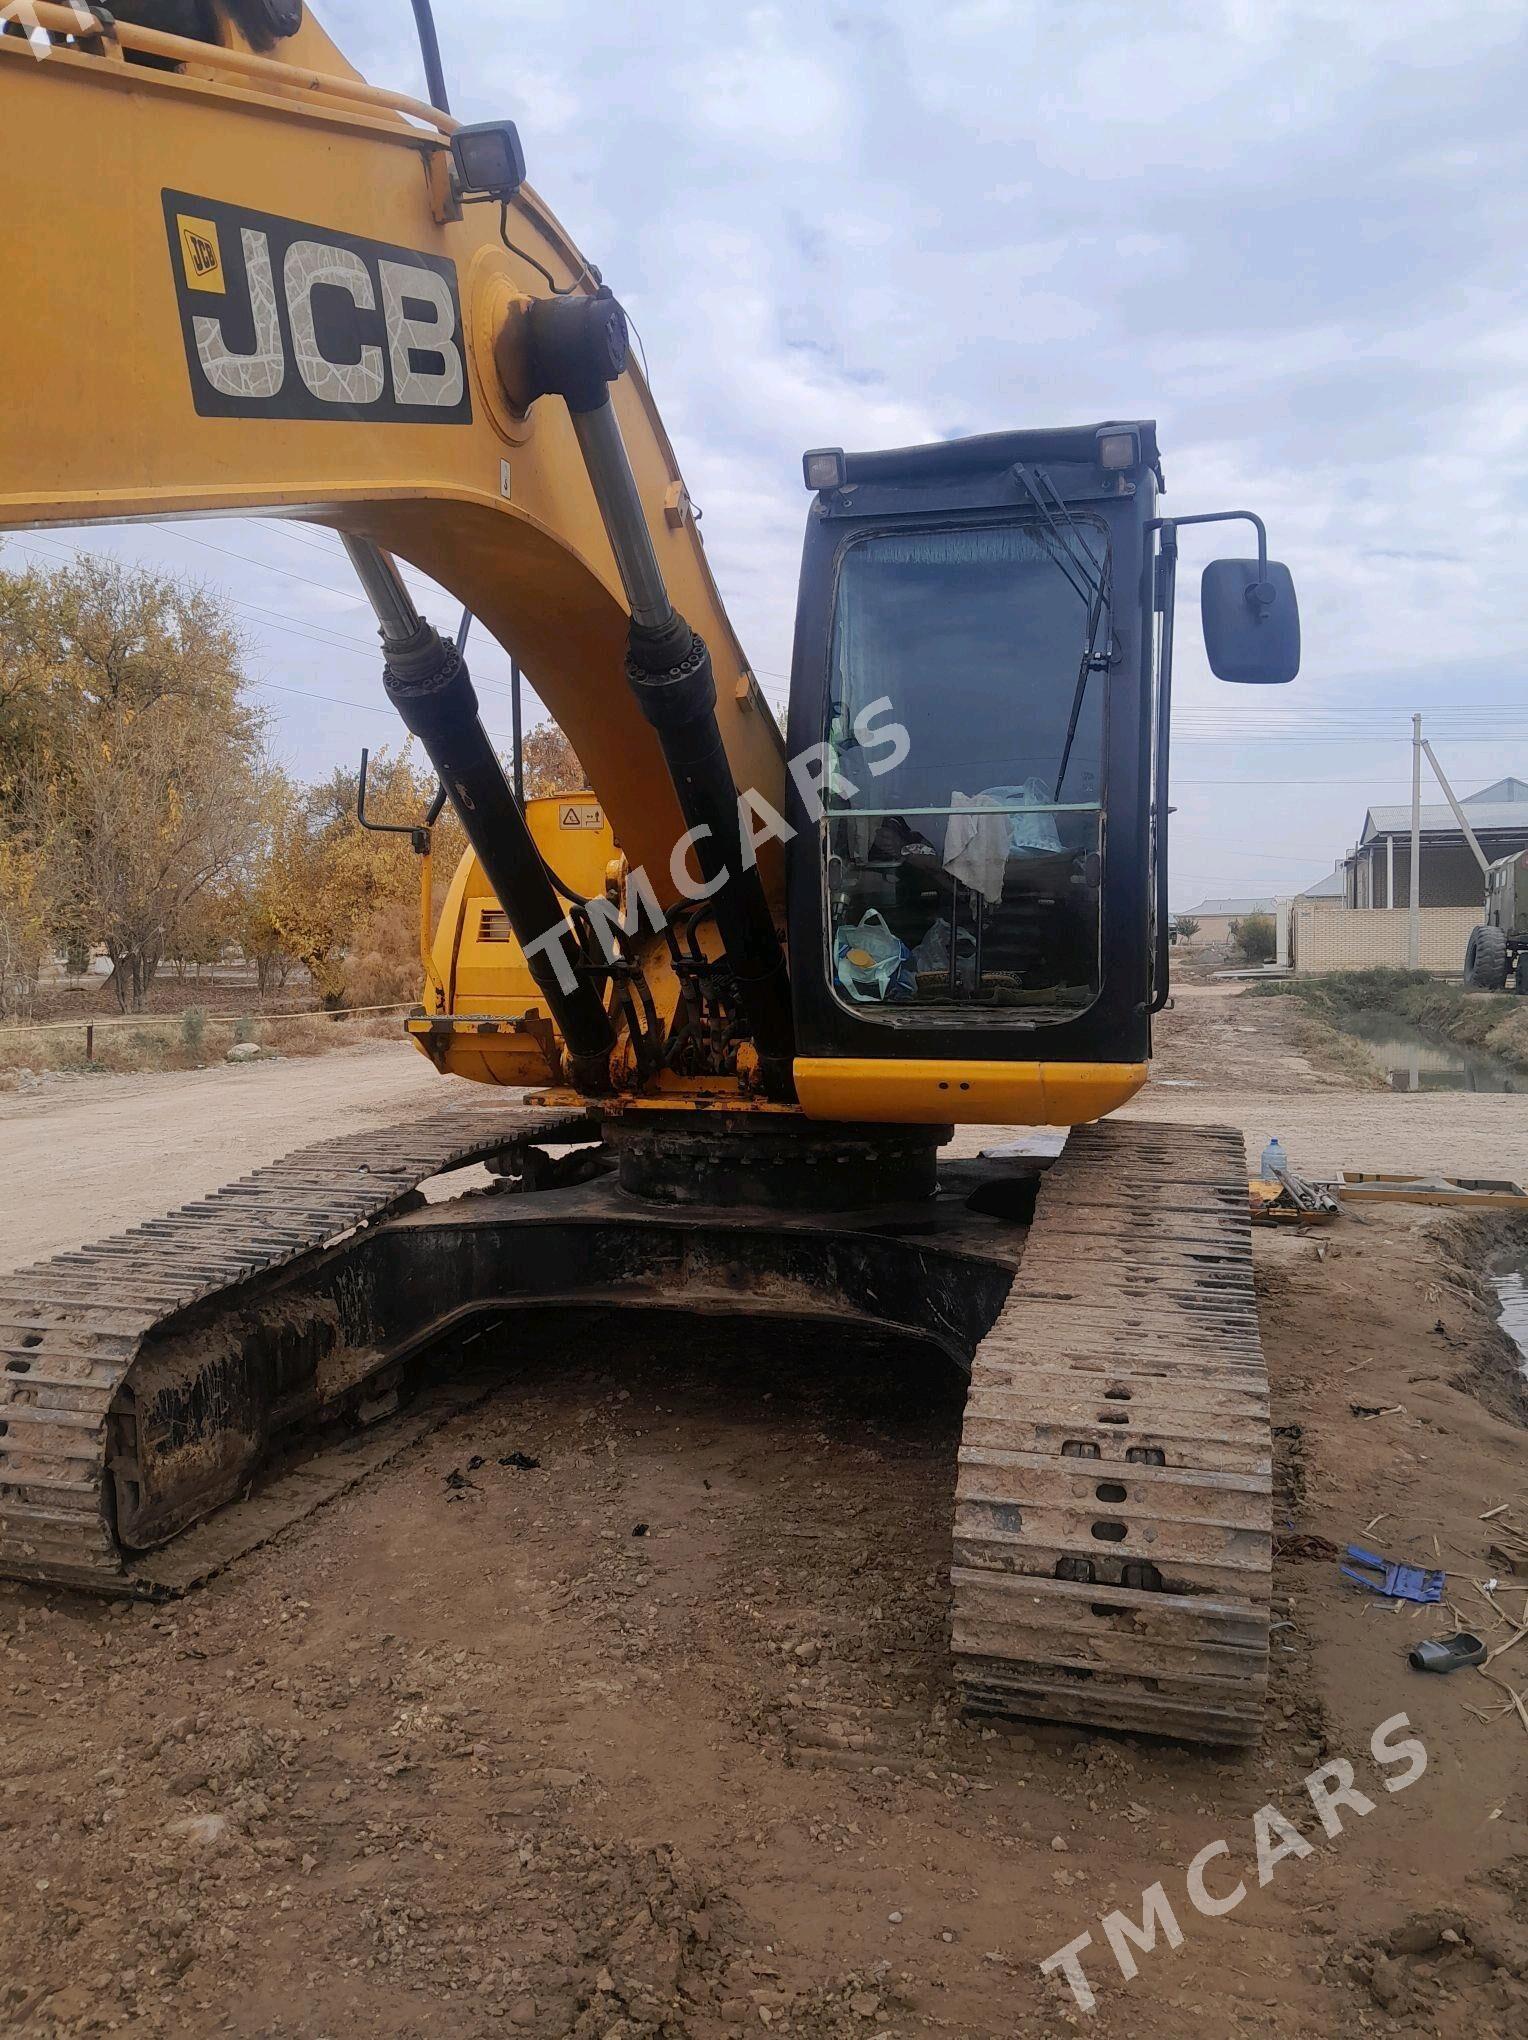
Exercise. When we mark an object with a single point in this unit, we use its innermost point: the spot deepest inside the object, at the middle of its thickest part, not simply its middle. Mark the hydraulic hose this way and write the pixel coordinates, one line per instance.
(577, 349)
(427, 682)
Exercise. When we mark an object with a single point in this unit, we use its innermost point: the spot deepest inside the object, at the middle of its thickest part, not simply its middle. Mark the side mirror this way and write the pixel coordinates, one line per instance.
(1251, 622)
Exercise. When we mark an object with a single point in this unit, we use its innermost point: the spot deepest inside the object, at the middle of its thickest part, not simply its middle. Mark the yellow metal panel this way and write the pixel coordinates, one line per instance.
(925, 1093)
(476, 956)
(509, 1058)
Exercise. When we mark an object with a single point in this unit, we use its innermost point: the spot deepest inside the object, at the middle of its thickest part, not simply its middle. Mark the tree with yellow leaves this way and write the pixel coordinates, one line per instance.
(549, 763)
(131, 763)
(142, 815)
(325, 893)
(26, 915)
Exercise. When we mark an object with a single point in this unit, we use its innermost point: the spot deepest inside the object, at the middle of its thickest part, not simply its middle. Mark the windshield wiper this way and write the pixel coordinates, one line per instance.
(1089, 576)
(1076, 558)
(1091, 663)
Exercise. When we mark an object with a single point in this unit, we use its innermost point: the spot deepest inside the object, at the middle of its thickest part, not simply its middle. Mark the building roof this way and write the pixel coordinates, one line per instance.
(1439, 820)
(1502, 805)
(1333, 887)
(1232, 907)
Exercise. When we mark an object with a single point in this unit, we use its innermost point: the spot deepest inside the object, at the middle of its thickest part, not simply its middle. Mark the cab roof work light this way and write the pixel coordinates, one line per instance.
(824, 467)
(1119, 447)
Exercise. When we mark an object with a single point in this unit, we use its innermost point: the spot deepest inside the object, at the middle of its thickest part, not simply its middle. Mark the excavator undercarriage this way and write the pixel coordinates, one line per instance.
(163, 1391)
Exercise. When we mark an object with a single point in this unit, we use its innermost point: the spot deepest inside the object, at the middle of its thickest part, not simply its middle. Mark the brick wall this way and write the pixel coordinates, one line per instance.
(1325, 936)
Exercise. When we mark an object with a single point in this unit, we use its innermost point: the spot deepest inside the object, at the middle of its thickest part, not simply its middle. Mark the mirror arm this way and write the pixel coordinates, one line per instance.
(1260, 594)
(1167, 524)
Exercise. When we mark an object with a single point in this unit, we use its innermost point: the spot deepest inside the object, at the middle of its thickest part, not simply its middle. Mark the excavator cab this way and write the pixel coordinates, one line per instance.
(977, 884)
(965, 595)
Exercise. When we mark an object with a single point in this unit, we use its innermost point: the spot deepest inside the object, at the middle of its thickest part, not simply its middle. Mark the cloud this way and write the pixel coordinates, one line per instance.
(763, 93)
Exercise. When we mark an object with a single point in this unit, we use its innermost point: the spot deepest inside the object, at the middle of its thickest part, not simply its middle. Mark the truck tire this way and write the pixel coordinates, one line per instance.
(1485, 960)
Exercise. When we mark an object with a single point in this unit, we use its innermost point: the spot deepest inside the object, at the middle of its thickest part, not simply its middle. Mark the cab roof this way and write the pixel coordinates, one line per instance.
(991, 452)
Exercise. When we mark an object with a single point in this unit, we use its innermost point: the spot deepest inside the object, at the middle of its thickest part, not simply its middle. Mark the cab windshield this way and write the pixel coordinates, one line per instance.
(966, 879)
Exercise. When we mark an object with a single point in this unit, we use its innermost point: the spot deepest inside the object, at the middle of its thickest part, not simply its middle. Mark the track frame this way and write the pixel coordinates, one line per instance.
(1112, 1536)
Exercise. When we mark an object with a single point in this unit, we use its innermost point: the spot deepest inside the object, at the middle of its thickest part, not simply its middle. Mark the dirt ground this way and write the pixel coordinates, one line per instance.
(87, 1155)
(655, 1735)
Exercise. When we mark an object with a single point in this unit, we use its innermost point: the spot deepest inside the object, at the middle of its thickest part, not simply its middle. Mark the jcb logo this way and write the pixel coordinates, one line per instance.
(282, 320)
(204, 256)
(201, 258)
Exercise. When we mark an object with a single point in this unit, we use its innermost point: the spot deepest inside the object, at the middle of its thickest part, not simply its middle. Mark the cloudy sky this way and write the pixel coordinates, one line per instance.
(1292, 233)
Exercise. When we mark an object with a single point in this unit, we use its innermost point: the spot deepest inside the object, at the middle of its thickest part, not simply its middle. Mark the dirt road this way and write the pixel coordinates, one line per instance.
(1228, 1058)
(87, 1155)
(654, 1736)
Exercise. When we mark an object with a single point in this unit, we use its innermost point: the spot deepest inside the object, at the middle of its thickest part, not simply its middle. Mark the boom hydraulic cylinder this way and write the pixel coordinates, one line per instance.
(577, 349)
(427, 682)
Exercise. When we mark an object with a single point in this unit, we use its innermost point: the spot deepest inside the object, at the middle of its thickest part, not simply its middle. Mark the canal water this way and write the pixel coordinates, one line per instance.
(1414, 1061)
(1511, 1286)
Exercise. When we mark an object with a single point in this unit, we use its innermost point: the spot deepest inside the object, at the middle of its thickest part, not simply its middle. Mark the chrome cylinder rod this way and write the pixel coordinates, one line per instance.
(397, 616)
(615, 491)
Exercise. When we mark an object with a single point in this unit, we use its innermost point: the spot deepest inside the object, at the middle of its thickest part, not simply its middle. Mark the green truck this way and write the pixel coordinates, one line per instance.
(1498, 947)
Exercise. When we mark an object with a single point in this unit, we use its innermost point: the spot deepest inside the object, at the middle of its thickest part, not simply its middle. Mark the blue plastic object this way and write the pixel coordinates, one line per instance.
(871, 963)
(1386, 1576)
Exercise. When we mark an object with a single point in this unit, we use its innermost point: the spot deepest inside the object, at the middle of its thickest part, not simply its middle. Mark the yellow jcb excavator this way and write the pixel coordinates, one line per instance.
(751, 982)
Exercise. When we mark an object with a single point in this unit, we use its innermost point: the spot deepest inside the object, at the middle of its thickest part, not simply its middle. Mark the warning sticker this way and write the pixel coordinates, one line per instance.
(580, 815)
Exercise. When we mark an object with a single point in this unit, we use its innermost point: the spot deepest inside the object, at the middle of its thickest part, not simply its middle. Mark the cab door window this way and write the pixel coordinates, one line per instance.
(967, 880)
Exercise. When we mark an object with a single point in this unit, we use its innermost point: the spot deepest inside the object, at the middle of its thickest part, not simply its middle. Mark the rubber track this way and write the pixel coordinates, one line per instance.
(1113, 1542)
(71, 1327)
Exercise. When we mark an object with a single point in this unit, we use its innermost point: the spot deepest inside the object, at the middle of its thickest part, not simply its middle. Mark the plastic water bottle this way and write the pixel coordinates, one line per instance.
(1274, 1159)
